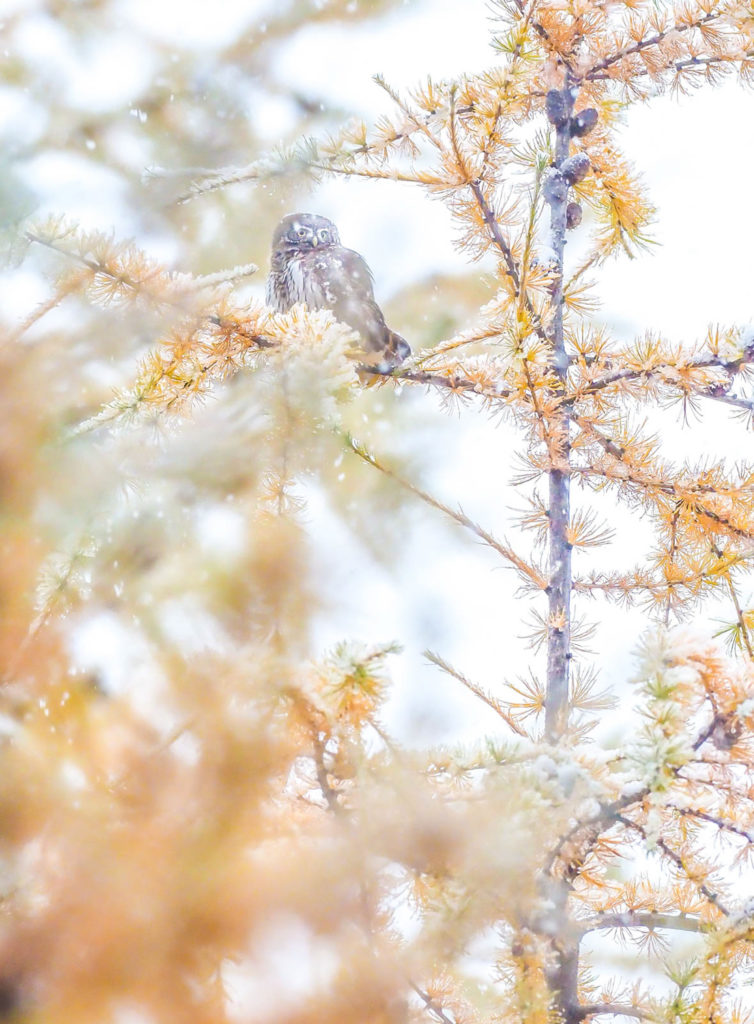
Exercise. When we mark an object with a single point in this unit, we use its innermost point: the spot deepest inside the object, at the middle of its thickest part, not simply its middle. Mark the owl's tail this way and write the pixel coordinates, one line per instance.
(390, 352)
(397, 348)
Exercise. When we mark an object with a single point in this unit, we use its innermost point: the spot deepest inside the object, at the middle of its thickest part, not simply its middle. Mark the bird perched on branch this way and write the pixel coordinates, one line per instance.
(310, 265)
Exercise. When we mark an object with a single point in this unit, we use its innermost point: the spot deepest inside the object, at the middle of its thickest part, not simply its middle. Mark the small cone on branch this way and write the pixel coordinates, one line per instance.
(557, 105)
(575, 168)
(583, 122)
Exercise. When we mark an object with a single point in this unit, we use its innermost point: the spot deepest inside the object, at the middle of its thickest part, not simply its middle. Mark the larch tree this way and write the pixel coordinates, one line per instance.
(231, 833)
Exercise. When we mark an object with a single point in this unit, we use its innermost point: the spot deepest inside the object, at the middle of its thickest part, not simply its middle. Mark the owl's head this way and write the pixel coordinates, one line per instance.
(305, 231)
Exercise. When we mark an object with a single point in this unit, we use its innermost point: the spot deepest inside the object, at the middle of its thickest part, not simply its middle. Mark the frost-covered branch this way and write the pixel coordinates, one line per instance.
(674, 29)
(684, 868)
(646, 919)
(617, 1009)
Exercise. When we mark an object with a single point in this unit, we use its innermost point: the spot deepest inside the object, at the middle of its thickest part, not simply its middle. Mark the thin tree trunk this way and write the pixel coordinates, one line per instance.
(559, 589)
(563, 976)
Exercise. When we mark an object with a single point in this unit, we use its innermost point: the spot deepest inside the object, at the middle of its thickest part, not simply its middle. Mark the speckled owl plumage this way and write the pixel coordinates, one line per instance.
(309, 265)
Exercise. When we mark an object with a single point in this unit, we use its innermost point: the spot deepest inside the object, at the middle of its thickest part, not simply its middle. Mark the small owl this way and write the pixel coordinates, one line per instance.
(310, 265)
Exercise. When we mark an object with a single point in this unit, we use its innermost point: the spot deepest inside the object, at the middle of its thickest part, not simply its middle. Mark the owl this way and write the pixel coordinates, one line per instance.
(310, 265)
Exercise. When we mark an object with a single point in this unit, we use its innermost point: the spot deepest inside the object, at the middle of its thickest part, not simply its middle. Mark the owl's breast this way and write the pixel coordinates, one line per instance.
(332, 278)
(302, 277)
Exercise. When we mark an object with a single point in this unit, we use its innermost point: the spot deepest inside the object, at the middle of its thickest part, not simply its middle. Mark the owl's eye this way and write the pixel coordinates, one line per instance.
(302, 232)
(324, 235)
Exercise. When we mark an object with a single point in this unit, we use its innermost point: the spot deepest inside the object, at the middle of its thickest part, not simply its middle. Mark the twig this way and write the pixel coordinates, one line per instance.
(431, 1005)
(496, 234)
(673, 550)
(528, 572)
(743, 628)
(477, 690)
(724, 826)
(542, 33)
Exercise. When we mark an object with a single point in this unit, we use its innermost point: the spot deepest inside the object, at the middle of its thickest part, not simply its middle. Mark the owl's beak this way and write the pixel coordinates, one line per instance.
(315, 241)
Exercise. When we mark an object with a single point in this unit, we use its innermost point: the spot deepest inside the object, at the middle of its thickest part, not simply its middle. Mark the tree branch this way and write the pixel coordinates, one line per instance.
(431, 1005)
(710, 359)
(496, 234)
(610, 813)
(646, 919)
(685, 492)
(619, 1009)
(643, 44)
(710, 895)
(678, 65)
(740, 617)
(724, 826)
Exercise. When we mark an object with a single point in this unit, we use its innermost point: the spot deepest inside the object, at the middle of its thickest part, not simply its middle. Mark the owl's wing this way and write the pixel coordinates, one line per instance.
(340, 280)
(335, 274)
